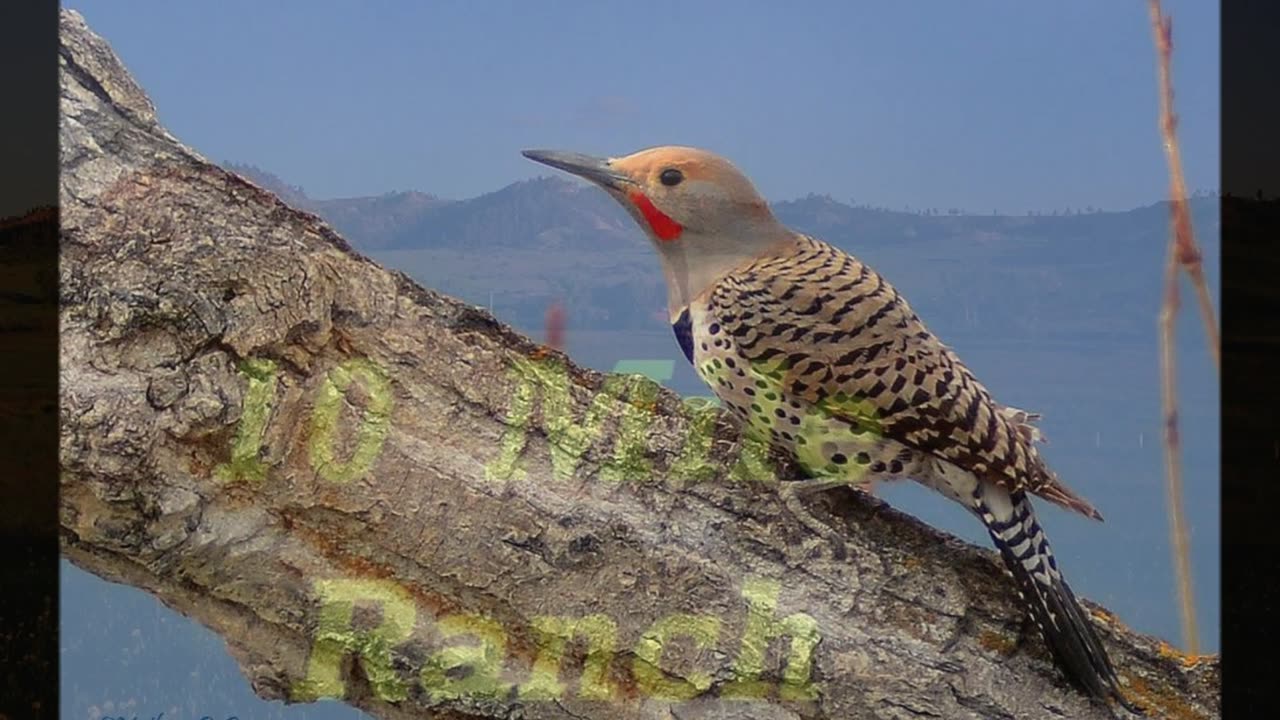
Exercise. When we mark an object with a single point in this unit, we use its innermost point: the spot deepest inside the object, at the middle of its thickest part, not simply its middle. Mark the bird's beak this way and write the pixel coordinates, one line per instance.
(595, 169)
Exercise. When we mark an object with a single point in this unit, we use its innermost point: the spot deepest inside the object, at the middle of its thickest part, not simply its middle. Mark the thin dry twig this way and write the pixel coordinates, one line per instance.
(555, 326)
(1177, 521)
(1184, 253)
(1183, 242)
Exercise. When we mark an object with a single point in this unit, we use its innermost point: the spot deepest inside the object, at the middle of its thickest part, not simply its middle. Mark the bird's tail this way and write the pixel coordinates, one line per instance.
(1063, 623)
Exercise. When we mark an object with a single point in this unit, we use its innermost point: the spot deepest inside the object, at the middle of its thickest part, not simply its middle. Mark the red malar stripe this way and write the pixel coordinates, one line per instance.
(663, 226)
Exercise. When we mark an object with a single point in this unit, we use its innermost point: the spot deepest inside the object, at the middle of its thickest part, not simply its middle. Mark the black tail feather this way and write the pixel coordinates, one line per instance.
(1064, 624)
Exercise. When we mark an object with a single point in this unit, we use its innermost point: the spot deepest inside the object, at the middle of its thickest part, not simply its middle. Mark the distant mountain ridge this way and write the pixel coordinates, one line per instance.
(548, 212)
(370, 218)
(533, 242)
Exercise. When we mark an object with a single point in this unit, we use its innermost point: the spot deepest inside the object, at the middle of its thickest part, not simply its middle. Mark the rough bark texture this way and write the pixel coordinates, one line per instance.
(316, 458)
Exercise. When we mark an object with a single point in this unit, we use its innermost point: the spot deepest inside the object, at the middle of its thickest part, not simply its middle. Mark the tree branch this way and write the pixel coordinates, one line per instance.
(375, 492)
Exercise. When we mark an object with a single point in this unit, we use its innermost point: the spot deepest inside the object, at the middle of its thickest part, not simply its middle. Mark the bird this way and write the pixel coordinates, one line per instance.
(817, 354)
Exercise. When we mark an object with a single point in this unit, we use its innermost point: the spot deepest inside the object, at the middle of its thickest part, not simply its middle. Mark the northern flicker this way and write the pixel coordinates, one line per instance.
(818, 354)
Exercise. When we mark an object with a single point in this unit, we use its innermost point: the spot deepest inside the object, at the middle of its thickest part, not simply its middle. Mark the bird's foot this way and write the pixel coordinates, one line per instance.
(867, 486)
(793, 493)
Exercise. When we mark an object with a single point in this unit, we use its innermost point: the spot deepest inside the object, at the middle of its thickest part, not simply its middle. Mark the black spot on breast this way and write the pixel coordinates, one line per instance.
(683, 329)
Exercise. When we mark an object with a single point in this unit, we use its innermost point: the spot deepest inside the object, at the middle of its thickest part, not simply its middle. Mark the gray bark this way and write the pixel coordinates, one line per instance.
(369, 489)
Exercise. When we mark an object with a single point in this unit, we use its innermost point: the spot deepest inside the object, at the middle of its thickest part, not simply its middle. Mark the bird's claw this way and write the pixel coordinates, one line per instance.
(792, 494)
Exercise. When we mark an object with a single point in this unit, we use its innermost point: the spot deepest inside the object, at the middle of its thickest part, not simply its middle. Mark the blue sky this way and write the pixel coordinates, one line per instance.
(979, 105)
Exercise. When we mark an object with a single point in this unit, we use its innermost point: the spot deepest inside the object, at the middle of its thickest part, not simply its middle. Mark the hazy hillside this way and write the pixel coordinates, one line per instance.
(1077, 276)
(376, 219)
(549, 214)
(546, 213)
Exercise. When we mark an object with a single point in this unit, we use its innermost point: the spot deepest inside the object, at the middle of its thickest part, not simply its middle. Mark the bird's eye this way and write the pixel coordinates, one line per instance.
(671, 177)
